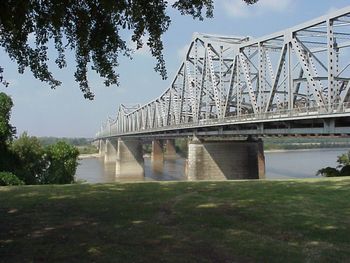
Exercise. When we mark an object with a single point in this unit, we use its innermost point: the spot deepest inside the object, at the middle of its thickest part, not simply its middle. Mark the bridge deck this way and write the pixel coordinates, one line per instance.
(292, 82)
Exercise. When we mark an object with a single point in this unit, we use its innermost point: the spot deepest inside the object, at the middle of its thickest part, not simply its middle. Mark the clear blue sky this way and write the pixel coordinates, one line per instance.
(65, 113)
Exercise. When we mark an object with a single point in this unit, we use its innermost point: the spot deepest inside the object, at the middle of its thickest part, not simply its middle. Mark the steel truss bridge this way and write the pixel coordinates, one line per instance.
(295, 81)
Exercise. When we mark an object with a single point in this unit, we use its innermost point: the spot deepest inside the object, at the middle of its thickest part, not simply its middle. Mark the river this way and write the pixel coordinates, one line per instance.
(279, 165)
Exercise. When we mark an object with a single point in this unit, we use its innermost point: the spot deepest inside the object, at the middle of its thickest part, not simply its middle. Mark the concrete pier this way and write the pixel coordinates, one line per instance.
(110, 155)
(102, 148)
(157, 157)
(220, 160)
(157, 154)
(129, 161)
(170, 150)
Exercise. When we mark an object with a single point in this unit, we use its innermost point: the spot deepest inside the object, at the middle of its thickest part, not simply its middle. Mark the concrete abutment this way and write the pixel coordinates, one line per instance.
(110, 155)
(170, 150)
(157, 157)
(220, 160)
(157, 154)
(101, 148)
(129, 161)
(207, 159)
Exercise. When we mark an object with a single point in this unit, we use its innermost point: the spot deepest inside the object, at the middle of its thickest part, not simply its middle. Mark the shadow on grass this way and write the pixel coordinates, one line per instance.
(255, 221)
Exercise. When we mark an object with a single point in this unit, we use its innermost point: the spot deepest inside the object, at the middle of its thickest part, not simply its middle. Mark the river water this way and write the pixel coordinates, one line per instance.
(279, 165)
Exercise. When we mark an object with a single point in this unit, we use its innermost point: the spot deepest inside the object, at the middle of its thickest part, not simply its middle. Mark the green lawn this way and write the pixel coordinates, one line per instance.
(242, 221)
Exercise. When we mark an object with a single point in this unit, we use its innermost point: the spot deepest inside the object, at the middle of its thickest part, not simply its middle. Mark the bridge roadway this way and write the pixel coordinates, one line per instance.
(293, 82)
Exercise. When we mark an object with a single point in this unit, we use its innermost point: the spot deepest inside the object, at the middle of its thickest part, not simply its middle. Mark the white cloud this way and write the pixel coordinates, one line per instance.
(238, 8)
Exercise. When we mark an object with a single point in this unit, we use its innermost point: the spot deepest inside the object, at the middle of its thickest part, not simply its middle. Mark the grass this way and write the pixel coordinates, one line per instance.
(242, 221)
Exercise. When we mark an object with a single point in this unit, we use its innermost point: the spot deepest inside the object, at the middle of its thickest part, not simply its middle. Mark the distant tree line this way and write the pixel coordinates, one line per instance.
(27, 161)
(46, 141)
(83, 145)
(304, 143)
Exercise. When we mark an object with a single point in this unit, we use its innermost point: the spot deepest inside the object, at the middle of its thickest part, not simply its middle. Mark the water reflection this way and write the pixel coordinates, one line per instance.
(157, 167)
(168, 170)
(279, 165)
(108, 171)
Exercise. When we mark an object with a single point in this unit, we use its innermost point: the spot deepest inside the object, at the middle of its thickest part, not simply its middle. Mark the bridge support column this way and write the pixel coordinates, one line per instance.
(110, 151)
(157, 151)
(170, 150)
(219, 160)
(329, 126)
(157, 157)
(129, 158)
(101, 148)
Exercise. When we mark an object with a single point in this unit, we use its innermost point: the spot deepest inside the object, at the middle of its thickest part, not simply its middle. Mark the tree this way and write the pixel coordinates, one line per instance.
(93, 29)
(2, 80)
(7, 132)
(7, 178)
(328, 172)
(55, 164)
(62, 163)
(343, 159)
(343, 169)
(31, 159)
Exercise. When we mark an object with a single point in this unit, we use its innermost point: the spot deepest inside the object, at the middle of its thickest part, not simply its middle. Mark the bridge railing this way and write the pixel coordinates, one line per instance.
(281, 114)
(299, 72)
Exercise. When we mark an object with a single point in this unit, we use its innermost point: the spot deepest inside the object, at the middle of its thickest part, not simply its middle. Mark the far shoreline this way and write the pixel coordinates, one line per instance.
(147, 155)
(88, 155)
(305, 150)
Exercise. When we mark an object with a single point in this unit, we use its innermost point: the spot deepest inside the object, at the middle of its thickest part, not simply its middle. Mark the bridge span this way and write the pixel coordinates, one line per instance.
(293, 82)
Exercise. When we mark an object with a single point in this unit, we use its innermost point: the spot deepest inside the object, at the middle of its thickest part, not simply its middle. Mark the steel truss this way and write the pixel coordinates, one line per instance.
(300, 71)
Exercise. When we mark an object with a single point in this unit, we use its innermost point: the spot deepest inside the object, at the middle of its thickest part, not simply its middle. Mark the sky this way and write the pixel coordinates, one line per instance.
(64, 112)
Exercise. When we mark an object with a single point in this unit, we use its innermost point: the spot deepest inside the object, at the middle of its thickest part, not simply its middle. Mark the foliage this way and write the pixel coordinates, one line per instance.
(62, 163)
(7, 132)
(27, 158)
(181, 147)
(2, 80)
(328, 172)
(55, 164)
(147, 148)
(83, 144)
(345, 170)
(344, 166)
(93, 29)
(87, 149)
(7, 178)
(32, 162)
(46, 141)
(344, 159)
(291, 143)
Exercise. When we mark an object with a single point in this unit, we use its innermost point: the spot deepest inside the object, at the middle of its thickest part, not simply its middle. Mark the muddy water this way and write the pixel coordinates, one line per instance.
(279, 165)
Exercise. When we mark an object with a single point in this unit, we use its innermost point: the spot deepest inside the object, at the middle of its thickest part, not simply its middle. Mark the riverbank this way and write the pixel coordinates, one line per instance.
(247, 221)
(306, 150)
(148, 155)
(88, 156)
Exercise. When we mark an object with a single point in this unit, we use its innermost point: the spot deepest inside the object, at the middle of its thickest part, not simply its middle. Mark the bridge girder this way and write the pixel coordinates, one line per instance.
(301, 69)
